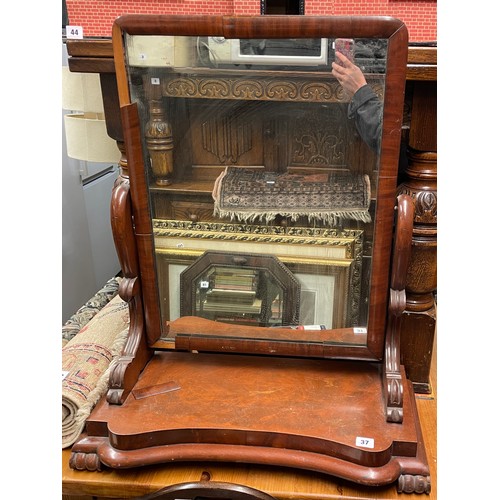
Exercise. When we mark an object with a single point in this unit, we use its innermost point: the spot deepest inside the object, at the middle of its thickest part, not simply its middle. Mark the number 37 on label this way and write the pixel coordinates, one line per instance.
(365, 442)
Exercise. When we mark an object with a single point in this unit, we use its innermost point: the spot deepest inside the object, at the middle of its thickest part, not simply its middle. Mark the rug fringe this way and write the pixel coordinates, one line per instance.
(331, 218)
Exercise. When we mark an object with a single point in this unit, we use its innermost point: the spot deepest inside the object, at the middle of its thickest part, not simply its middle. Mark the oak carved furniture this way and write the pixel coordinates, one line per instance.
(419, 180)
(265, 282)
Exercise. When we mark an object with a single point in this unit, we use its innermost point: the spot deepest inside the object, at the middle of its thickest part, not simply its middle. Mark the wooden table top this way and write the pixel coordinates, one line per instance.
(282, 483)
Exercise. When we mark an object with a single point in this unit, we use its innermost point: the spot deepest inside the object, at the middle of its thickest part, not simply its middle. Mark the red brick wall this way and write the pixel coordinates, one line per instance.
(97, 16)
(420, 16)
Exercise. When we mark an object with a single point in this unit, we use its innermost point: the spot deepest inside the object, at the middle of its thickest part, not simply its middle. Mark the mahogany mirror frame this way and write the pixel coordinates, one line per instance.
(393, 30)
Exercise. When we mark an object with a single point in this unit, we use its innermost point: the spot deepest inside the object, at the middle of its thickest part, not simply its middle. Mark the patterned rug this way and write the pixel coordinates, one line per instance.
(86, 361)
(89, 309)
(254, 195)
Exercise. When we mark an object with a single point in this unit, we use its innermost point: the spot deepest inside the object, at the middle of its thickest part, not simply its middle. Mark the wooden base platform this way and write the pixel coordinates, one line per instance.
(320, 415)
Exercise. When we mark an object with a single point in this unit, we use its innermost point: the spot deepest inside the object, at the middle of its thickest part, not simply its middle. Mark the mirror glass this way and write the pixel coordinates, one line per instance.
(252, 150)
(240, 289)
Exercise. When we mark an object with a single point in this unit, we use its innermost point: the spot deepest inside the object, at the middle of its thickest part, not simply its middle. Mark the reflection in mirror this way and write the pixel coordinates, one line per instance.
(240, 289)
(254, 147)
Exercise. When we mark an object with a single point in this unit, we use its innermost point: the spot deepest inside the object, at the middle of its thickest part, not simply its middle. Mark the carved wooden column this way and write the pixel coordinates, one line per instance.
(420, 182)
(159, 139)
(160, 144)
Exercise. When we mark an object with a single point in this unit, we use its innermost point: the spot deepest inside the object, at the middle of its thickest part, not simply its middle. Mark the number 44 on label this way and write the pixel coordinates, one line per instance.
(74, 32)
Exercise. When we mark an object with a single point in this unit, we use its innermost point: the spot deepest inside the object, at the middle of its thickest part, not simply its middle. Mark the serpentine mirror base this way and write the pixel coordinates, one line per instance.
(321, 415)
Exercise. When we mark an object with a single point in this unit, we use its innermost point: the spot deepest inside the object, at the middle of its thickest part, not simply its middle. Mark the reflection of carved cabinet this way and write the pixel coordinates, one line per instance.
(210, 120)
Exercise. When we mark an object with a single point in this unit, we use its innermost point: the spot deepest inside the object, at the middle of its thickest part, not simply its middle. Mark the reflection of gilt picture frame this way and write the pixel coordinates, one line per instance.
(327, 263)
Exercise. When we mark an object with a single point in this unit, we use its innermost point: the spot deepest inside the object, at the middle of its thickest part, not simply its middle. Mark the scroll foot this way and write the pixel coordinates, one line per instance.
(408, 483)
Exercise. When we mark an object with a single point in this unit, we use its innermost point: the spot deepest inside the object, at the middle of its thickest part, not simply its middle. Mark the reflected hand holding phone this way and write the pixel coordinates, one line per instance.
(344, 46)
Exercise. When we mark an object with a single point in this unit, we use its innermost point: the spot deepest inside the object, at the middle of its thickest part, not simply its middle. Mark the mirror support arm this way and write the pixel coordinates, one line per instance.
(125, 370)
(392, 380)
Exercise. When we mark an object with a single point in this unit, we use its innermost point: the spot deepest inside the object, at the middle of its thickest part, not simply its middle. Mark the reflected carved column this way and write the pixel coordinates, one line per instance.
(160, 142)
(158, 134)
(420, 182)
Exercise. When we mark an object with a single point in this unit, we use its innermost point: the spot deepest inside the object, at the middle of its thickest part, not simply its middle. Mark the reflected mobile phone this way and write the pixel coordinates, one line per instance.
(346, 47)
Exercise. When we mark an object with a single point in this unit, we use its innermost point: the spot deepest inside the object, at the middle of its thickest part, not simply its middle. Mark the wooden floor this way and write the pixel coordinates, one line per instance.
(284, 484)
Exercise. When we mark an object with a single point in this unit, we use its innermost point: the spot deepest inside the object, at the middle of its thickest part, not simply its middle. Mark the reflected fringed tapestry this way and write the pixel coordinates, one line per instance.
(259, 196)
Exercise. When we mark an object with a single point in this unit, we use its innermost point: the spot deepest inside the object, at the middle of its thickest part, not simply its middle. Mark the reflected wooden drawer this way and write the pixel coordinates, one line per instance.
(193, 210)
